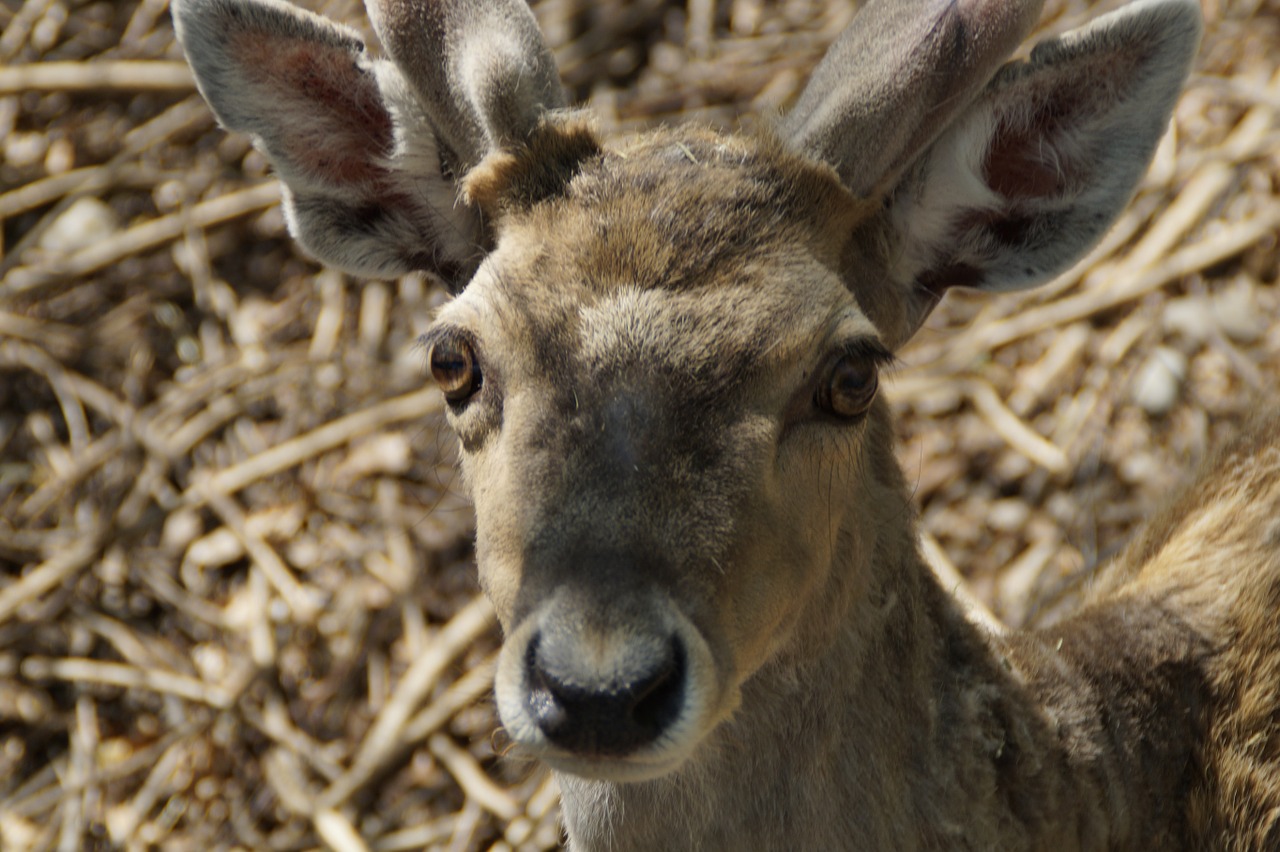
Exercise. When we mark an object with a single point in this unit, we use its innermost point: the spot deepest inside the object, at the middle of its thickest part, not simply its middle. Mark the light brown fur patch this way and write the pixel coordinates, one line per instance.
(517, 178)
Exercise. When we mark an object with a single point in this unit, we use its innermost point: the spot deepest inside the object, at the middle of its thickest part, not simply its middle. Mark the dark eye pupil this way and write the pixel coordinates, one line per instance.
(851, 387)
(453, 366)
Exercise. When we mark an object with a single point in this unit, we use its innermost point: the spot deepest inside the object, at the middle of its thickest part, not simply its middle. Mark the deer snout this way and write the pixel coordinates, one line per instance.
(608, 685)
(606, 713)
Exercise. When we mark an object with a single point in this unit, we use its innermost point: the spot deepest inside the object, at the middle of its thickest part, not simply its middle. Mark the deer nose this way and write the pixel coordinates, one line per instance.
(612, 714)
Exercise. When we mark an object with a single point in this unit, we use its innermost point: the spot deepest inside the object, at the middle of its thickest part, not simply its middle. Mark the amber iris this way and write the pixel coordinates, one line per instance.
(454, 367)
(850, 387)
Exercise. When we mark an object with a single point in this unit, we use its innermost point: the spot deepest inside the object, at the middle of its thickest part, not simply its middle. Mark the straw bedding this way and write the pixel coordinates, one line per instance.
(237, 605)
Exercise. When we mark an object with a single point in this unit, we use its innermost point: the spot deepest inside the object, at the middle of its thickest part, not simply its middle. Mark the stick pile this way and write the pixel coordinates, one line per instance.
(237, 605)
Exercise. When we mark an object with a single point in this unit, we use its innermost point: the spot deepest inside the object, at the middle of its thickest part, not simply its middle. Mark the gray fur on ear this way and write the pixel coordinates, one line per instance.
(360, 161)
(480, 67)
(1032, 174)
(895, 78)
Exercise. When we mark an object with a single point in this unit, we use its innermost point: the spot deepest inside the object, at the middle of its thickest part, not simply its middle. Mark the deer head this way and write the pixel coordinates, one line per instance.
(662, 359)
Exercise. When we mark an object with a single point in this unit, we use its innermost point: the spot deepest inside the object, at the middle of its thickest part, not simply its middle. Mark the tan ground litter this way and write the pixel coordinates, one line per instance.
(237, 609)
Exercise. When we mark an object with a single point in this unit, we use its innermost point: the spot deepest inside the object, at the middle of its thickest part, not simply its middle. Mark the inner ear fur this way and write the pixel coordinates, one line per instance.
(1037, 169)
(360, 163)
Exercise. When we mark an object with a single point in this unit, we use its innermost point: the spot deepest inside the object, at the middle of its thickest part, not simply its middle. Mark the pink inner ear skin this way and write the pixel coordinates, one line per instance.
(1027, 159)
(1015, 165)
(341, 127)
(1032, 155)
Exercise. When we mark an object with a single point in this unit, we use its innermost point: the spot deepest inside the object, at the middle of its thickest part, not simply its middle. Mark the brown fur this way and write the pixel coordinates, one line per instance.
(535, 171)
(1215, 555)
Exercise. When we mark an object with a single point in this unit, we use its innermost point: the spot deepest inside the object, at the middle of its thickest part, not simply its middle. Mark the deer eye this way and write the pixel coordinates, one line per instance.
(455, 368)
(850, 387)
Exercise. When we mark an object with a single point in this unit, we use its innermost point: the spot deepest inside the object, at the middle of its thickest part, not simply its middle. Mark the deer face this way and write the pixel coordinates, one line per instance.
(668, 392)
(663, 357)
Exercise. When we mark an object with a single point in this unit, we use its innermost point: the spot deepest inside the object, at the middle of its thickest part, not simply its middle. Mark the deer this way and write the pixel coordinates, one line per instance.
(661, 359)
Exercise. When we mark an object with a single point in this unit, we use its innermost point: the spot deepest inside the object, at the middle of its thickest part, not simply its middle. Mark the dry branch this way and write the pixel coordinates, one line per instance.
(387, 734)
(120, 76)
(283, 456)
(78, 670)
(68, 559)
(138, 239)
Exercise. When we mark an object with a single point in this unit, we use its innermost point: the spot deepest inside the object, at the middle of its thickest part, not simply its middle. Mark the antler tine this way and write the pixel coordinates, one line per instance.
(894, 79)
(480, 68)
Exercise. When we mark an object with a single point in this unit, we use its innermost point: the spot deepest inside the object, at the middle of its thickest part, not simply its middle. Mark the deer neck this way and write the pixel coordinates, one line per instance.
(835, 750)
(911, 716)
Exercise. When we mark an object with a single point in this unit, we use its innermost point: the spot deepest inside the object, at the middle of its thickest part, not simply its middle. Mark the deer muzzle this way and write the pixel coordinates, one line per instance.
(619, 689)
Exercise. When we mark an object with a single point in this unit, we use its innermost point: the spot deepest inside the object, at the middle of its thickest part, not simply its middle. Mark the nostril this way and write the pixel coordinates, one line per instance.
(617, 714)
(657, 699)
(544, 701)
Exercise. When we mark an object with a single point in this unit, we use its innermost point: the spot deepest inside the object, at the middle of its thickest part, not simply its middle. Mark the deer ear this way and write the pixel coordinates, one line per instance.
(365, 190)
(894, 79)
(1039, 166)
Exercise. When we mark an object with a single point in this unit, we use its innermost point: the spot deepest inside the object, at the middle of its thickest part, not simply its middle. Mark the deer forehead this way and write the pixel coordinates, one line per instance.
(695, 255)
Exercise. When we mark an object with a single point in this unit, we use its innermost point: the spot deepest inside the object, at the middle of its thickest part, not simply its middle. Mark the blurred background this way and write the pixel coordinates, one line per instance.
(237, 603)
